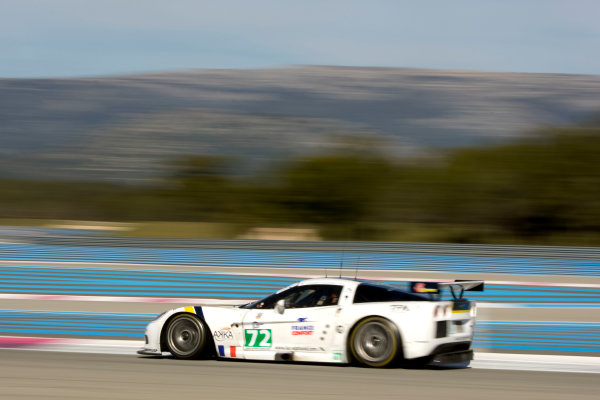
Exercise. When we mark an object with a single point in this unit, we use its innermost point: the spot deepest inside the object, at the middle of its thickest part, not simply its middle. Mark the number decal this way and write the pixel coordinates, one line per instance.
(253, 335)
(257, 338)
(266, 342)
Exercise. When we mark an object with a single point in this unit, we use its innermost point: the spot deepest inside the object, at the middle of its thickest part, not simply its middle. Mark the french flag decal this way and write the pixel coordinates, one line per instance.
(227, 351)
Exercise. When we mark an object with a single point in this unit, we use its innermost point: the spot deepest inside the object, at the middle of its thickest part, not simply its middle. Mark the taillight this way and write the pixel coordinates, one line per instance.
(442, 311)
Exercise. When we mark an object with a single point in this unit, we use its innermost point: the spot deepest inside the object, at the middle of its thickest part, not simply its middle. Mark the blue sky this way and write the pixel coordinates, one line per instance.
(51, 38)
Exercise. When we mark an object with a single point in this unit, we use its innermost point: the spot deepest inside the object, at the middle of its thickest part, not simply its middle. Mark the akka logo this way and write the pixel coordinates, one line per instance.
(223, 334)
(302, 330)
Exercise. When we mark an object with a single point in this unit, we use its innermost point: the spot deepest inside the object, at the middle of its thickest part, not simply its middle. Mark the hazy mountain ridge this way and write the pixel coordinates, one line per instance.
(139, 150)
(92, 128)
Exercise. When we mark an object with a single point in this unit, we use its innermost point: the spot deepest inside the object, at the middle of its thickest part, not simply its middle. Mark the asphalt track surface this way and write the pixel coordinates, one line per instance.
(48, 375)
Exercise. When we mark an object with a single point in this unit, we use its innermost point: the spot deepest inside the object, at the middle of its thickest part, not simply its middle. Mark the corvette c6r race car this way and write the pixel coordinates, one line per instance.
(332, 320)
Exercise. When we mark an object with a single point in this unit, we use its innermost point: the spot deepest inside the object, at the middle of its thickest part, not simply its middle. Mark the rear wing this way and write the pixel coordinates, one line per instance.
(456, 288)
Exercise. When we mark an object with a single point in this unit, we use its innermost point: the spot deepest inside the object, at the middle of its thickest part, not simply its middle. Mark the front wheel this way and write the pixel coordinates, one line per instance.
(374, 342)
(186, 336)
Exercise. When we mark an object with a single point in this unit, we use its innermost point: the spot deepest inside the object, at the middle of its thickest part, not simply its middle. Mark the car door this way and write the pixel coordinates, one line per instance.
(305, 324)
(258, 326)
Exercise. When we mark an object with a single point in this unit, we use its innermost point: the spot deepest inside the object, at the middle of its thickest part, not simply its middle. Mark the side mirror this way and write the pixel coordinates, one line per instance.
(280, 306)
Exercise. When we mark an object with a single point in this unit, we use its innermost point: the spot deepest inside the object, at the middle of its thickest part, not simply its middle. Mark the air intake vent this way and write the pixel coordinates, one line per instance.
(441, 329)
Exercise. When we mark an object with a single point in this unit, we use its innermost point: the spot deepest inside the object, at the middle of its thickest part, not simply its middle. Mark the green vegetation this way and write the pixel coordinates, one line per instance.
(544, 190)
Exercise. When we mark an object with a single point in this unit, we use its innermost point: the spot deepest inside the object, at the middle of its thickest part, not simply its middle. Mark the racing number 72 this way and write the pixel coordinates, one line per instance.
(257, 337)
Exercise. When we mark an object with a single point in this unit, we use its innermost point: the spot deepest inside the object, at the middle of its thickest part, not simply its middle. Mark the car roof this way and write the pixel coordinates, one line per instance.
(330, 281)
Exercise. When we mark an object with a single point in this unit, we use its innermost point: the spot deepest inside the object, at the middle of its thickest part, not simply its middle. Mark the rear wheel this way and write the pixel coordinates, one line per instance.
(186, 336)
(374, 342)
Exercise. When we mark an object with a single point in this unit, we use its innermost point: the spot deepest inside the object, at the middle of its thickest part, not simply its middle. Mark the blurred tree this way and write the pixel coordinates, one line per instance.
(333, 189)
(544, 189)
(200, 189)
(534, 188)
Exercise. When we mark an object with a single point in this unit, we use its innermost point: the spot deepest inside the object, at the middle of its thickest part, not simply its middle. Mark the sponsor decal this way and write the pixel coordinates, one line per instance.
(302, 330)
(258, 338)
(302, 319)
(300, 348)
(461, 306)
(227, 351)
(337, 355)
(223, 334)
(399, 308)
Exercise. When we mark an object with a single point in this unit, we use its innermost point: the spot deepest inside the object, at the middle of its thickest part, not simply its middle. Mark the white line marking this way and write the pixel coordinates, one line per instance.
(536, 362)
(213, 301)
(122, 299)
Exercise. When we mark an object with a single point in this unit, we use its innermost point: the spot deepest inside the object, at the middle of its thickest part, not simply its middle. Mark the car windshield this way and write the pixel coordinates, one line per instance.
(301, 297)
(267, 300)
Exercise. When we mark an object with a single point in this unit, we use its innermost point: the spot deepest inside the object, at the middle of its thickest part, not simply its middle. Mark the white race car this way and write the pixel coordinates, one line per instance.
(331, 320)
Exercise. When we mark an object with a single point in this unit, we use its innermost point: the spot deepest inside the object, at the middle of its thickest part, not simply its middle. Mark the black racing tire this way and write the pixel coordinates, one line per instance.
(187, 337)
(375, 342)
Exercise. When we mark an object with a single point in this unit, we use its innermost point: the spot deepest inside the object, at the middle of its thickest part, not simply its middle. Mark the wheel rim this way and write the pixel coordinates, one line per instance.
(374, 342)
(184, 336)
